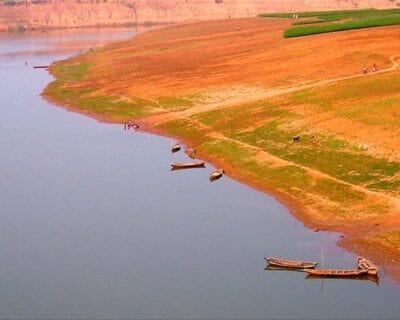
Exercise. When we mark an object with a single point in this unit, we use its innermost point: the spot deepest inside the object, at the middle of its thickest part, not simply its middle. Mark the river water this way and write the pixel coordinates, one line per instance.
(93, 224)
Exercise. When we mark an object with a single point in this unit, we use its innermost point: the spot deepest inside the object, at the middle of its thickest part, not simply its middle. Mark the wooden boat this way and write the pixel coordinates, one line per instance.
(362, 277)
(40, 67)
(191, 153)
(293, 264)
(271, 267)
(364, 264)
(175, 148)
(335, 273)
(215, 175)
(188, 165)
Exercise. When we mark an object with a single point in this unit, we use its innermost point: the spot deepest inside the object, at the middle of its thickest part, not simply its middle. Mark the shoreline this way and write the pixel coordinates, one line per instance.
(150, 25)
(349, 235)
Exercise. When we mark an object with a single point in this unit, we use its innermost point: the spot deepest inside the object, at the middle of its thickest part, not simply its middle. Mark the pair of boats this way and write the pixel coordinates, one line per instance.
(215, 175)
(365, 267)
(190, 152)
(186, 165)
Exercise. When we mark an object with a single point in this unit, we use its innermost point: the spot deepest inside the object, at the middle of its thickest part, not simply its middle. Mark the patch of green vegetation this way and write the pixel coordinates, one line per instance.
(174, 103)
(332, 156)
(303, 22)
(325, 153)
(390, 186)
(185, 129)
(308, 96)
(370, 100)
(248, 116)
(69, 89)
(291, 179)
(86, 100)
(337, 192)
(376, 112)
(340, 21)
(70, 72)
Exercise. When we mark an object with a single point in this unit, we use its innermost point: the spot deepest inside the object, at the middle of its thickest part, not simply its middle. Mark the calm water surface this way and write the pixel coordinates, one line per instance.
(94, 225)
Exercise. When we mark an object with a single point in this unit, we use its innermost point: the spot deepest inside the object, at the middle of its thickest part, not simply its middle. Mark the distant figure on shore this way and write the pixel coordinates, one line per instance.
(374, 67)
(314, 140)
(365, 70)
(131, 124)
(238, 28)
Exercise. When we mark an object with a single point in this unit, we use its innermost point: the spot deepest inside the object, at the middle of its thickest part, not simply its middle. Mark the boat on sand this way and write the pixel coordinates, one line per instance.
(215, 175)
(336, 273)
(191, 153)
(364, 264)
(292, 264)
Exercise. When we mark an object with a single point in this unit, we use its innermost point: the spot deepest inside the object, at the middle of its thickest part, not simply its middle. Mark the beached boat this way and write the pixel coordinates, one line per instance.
(363, 277)
(175, 148)
(215, 175)
(334, 273)
(293, 264)
(191, 153)
(188, 165)
(364, 264)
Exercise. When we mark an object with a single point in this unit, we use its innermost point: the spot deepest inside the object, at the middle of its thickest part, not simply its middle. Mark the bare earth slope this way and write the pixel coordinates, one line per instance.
(71, 13)
(238, 97)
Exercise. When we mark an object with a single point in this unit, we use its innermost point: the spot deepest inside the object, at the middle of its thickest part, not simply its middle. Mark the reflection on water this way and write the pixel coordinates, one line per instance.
(93, 224)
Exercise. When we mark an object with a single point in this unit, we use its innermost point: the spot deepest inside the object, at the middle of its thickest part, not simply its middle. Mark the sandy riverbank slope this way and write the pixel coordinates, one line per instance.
(238, 97)
(84, 13)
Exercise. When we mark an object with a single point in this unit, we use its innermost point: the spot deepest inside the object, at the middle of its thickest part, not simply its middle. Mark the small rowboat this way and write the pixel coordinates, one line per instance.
(40, 67)
(188, 165)
(337, 273)
(215, 175)
(293, 264)
(191, 153)
(364, 264)
(175, 148)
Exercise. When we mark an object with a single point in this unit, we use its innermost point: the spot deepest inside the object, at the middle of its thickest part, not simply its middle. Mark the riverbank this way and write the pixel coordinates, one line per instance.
(26, 15)
(237, 92)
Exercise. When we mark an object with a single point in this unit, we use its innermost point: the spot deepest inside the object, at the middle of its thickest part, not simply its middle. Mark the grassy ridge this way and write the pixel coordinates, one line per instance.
(70, 87)
(333, 21)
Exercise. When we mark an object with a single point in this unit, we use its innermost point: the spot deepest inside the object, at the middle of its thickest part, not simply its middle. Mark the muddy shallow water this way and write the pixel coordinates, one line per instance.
(93, 224)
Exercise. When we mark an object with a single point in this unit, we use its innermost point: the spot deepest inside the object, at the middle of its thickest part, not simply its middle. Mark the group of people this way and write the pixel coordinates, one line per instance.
(131, 125)
(373, 69)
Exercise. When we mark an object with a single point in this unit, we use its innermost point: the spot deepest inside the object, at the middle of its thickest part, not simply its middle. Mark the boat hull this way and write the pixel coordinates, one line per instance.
(337, 273)
(179, 166)
(364, 264)
(291, 264)
(175, 148)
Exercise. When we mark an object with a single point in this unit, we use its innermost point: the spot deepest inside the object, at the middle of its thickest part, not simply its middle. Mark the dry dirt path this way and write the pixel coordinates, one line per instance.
(186, 114)
(251, 98)
(281, 162)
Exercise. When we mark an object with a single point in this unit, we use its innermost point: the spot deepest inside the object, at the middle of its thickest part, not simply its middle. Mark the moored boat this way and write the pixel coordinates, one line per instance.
(337, 272)
(293, 264)
(191, 153)
(175, 148)
(187, 165)
(363, 277)
(365, 264)
(216, 174)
